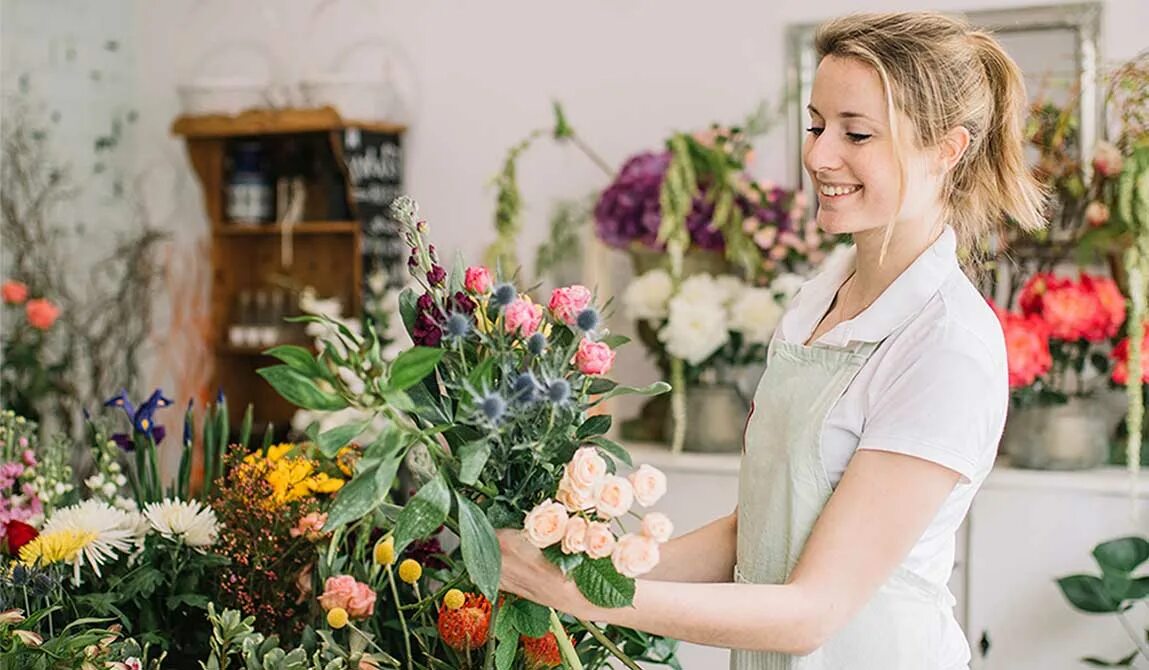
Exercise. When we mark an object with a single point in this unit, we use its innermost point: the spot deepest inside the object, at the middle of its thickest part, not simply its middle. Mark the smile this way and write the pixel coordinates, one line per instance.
(836, 191)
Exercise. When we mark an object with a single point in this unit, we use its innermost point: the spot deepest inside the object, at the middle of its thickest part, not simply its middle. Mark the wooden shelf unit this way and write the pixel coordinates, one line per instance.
(326, 251)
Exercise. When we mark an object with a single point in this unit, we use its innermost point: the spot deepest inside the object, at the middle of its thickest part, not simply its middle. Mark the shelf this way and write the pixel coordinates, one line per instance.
(275, 122)
(302, 228)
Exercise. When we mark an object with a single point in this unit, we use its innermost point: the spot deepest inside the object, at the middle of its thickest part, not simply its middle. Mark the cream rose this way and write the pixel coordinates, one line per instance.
(649, 485)
(576, 499)
(657, 527)
(615, 498)
(599, 540)
(634, 555)
(574, 541)
(546, 524)
(586, 469)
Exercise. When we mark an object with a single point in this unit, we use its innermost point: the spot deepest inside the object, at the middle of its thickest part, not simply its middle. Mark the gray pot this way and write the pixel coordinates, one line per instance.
(1073, 436)
(715, 417)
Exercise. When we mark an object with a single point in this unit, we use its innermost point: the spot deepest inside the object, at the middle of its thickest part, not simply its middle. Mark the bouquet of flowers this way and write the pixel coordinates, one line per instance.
(500, 397)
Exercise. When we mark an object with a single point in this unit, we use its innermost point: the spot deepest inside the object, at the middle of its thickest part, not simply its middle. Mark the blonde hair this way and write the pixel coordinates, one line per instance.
(940, 74)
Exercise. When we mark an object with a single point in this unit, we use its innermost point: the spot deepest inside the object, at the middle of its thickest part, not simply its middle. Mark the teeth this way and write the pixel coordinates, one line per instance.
(838, 190)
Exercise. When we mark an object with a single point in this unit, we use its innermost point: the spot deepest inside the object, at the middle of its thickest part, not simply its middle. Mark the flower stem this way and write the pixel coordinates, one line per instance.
(402, 619)
(567, 650)
(489, 660)
(597, 633)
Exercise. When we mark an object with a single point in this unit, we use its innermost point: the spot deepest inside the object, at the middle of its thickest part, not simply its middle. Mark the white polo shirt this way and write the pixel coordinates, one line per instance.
(936, 388)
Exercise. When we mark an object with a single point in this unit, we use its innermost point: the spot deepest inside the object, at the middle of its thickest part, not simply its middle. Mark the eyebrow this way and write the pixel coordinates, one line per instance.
(844, 115)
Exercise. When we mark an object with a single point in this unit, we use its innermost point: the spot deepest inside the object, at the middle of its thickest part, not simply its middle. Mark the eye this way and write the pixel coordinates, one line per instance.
(815, 131)
(858, 138)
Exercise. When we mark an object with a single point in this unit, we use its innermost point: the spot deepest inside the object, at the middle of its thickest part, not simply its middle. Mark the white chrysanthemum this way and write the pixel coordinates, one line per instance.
(755, 314)
(647, 296)
(111, 532)
(695, 329)
(786, 285)
(186, 521)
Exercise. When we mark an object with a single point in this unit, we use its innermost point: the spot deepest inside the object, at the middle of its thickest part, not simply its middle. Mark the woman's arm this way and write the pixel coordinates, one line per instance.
(882, 506)
(702, 555)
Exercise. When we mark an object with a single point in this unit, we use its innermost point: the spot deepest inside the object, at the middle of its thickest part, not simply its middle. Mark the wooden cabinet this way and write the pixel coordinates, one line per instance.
(312, 159)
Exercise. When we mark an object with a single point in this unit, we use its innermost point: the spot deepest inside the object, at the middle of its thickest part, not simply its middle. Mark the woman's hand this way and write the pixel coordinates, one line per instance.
(528, 574)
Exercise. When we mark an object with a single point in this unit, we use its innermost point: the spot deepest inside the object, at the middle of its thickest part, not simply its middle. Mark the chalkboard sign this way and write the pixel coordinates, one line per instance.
(375, 168)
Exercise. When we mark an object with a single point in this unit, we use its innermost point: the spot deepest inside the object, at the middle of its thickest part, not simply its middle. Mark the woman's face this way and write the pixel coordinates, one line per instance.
(849, 153)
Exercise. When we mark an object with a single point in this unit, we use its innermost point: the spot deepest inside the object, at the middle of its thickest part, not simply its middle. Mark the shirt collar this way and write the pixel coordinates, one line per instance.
(901, 300)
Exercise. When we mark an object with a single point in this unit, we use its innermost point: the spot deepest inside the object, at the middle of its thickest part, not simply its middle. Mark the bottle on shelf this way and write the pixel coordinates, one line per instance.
(249, 192)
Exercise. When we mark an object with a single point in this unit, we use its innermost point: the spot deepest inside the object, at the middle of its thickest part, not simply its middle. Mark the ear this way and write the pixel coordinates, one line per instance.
(952, 147)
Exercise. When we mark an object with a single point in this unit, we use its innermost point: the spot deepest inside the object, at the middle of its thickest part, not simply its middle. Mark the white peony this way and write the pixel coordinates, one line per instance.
(695, 329)
(647, 296)
(755, 314)
(187, 521)
(786, 285)
(729, 287)
(702, 288)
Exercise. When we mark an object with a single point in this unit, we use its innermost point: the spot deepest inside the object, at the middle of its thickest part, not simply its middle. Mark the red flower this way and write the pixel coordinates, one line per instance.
(1026, 347)
(1033, 293)
(465, 628)
(14, 292)
(1112, 302)
(1120, 356)
(19, 534)
(41, 313)
(542, 653)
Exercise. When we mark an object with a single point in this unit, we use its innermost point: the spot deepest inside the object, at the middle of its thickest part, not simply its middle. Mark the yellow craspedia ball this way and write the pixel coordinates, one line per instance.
(385, 552)
(410, 571)
(454, 599)
(337, 617)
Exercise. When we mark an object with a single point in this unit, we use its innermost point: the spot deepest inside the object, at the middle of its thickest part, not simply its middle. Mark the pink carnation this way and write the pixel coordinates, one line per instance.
(355, 597)
(594, 358)
(523, 316)
(566, 303)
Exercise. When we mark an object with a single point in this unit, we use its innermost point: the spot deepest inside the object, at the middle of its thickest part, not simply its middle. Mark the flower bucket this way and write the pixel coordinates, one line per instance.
(715, 417)
(1072, 436)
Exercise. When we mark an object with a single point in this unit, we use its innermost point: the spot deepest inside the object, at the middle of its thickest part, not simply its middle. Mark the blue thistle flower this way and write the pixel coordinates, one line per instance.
(525, 388)
(493, 406)
(559, 391)
(504, 295)
(587, 320)
(537, 344)
(457, 326)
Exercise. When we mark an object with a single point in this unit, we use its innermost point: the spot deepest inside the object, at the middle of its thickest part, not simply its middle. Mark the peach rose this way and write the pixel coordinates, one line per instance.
(355, 597)
(41, 313)
(634, 555)
(14, 292)
(477, 280)
(586, 468)
(574, 541)
(649, 485)
(599, 540)
(567, 302)
(546, 524)
(593, 358)
(657, 527)
(523, 316)
(615, 498)
(575, 498)
(310, 526)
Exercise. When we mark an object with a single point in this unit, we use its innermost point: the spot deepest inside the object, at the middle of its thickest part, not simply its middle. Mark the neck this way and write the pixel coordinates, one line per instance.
(873, 272)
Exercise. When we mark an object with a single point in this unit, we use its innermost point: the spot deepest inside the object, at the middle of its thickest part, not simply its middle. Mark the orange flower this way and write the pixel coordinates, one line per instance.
(1120, 356)
(1026, 347)
(465, 628)
(1031, 300)
(541, 653)
(41, 313)
(14, 292)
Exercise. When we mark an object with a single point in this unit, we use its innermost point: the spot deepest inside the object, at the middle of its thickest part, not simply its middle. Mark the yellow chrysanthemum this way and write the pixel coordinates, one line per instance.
(385, 552)
(337, 617)
(410, 571)
(322, 483)
(454, 599)
(346, 459)
(278, 451)
(60, 546)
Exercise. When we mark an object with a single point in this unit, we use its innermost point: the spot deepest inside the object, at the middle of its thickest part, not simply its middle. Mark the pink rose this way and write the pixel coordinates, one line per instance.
(546, 524)
(593, 358)
(567, 302)
(478, 280)
(615, 498)
(29, 458)
(14, 292)
(1096, 213)
(657, 527)
(1107, 160)
(649, 485)
(576, 498)
(41, 313)
(586, 468)
(355, 597)
(634, 555)
(523, 316)
(574, 541)
(599, 540)
(310, 526)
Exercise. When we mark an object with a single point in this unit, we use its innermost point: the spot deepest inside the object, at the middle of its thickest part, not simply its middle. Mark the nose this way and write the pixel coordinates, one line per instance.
(821, 153)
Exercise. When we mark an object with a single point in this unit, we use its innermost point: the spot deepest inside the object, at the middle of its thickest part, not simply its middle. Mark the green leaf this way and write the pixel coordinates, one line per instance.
(385, 474)
(595, 425)
(613, 448)
(1122, 555)
(530, 619)
(424, 513)
(299, 390)
(300, 360)
(474, 456)
(194, 600)
(332, 441)
(353, 501)
(615, 341)
(412, 366)
(1087, 593)
(565, 562)
(602, 585)
(400, 400)
(408, 309)
(143, 584)
(600, 385)
(481, 554)
(657, 388)
(505, 653)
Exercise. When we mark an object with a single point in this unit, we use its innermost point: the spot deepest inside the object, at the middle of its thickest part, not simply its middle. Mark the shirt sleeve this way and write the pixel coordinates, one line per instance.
(947, 405)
